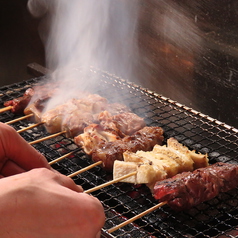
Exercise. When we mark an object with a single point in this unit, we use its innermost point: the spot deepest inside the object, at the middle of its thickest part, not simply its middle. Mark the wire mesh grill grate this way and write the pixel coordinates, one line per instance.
(215, 218)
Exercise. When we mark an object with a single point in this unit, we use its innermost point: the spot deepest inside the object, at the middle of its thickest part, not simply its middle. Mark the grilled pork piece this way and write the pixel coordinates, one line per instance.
(189, 189)
(108, 152)
(160, 163)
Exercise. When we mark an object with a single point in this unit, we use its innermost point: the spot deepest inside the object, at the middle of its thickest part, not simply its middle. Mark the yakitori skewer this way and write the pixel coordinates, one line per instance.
(30, 127)
(109, 183)
(136, 217)
(85, 169)
(46, 138)
(19, 119)
(62, 157)
(105, 185)
(5, 109)
(188, 189)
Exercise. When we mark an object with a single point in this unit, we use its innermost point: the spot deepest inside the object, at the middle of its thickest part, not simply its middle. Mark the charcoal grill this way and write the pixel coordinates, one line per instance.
(215, 218)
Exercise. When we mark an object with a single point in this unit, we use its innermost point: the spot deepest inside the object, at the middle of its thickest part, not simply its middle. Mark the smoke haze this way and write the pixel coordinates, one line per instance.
(79, 34)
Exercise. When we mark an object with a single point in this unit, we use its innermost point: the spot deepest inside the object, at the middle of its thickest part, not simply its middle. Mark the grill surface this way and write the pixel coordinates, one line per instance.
(215, 218)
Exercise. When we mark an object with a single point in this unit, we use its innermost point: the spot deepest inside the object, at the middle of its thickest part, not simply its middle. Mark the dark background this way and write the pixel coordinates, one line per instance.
(188, 51)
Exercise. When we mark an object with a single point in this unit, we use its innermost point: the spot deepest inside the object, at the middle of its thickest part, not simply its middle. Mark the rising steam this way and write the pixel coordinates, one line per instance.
(79, 34)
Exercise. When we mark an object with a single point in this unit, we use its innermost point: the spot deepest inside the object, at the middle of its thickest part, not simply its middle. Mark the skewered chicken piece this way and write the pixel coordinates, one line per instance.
(109, 129)
(18, 104)
(41, 93)
(107, 146)
(75, 114)
(160, 163)
(189, 189)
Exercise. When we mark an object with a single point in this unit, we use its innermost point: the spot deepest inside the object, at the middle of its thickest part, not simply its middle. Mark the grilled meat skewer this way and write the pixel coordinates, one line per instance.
(19, 104)
(107, 146)
(160, 163)
(189, 189)
(39, 94)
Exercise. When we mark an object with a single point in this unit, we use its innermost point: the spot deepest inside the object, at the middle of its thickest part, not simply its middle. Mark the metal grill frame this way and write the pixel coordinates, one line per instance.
(215, 218)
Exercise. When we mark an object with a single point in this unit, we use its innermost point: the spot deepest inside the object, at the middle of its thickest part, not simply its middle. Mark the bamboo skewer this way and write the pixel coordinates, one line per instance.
(110, 182)
(19, 119)
(107, 184)
(30, 127)
(5, 109)
(136, 217)
(62, 157)
(46, 138)
(84, 169)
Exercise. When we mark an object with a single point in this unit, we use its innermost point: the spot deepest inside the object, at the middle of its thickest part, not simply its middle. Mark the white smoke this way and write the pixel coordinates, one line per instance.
(80, 34)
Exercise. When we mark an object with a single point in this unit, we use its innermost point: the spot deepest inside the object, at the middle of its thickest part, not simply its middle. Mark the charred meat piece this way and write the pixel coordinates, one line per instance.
(144, 139)
(19, 104)
(39, 94)
(189, 189)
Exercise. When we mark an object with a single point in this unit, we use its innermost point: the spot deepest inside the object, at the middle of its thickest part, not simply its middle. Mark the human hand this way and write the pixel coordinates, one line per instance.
(41, 203)
(16, 155)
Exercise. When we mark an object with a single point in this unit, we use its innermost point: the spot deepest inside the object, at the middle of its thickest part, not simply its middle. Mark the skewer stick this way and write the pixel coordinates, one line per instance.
(5, 109)
(136, 217)
(19, 119)
(46, 138)
(62, 157)
(84, 169)
(30, 127)
(110, 182)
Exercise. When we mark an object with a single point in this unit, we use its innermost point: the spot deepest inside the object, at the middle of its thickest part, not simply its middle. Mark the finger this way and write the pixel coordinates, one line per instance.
(69, 183)
(57, 178)
(13, 146)
(10, 168)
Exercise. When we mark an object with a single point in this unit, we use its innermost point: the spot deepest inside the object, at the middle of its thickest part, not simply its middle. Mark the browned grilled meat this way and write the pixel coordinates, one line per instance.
(40, 94)
(124, 124)
(75, 122)
(189, 189)
(109, 129)
(144, 139)
(117, 108)
(19, 104)
(128, 123)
